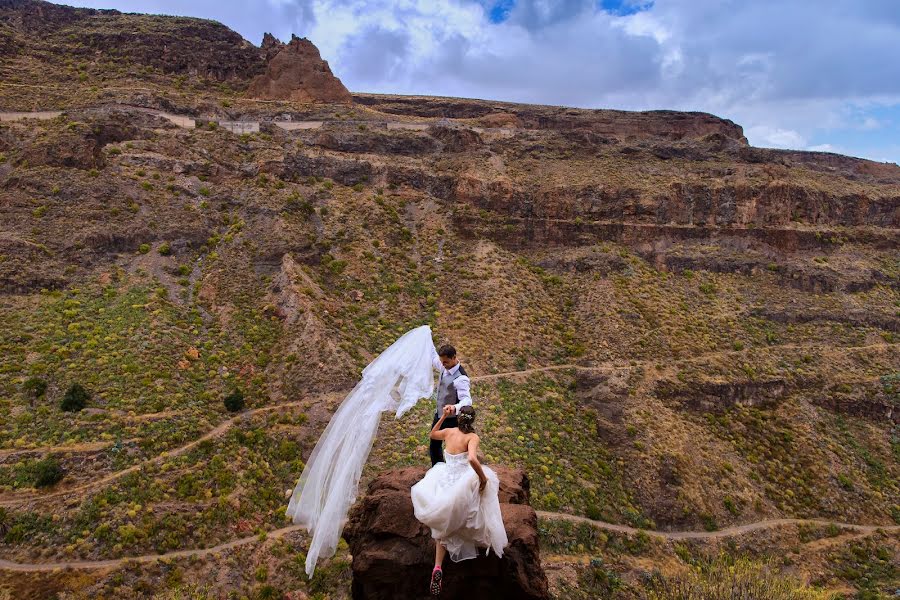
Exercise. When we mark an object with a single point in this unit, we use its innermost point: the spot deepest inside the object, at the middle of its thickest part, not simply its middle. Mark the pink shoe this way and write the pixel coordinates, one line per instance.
(436, 576)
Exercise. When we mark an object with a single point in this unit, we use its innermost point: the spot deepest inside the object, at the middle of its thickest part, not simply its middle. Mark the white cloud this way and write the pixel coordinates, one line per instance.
(774, 137)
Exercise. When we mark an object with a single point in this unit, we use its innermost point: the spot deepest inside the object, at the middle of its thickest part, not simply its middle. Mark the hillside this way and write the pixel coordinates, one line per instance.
(669, 329)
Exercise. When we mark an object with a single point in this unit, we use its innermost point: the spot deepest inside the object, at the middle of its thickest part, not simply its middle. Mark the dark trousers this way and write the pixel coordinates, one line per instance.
(436, 449)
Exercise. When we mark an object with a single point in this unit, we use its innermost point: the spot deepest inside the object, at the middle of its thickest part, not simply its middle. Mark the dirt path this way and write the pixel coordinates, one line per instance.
(719, 533)
(699, 357)
(80, 447)
(277, 533)
(118, 562)
(85, 487)
(42, 115)
(225, 425)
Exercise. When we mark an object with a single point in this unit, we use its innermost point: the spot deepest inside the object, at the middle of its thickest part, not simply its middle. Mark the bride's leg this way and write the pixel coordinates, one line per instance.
(437, 575)
(439, 553)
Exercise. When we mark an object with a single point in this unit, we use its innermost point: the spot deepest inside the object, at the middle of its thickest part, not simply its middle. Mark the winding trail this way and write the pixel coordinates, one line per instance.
(719, 533)
(226, 425)
(278, 533)
(9, 565)
(84, 487)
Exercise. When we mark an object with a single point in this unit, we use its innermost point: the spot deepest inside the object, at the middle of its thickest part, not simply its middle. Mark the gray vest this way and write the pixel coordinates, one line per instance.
(446, 393)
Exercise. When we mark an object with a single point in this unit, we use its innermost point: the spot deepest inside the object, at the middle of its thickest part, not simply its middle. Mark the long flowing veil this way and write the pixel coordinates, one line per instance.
(395, 380)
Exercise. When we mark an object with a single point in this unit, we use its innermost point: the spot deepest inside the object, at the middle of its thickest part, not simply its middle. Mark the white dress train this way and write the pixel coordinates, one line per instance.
(448, 501)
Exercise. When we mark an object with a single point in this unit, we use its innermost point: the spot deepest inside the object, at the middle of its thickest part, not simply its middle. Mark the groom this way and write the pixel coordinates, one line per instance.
(453, 391)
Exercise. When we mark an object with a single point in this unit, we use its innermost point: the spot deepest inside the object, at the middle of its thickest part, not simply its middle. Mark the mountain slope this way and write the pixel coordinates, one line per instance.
(716, 323)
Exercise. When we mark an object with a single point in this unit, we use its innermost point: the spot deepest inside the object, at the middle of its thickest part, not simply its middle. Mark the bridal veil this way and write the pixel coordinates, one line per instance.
(395, 381)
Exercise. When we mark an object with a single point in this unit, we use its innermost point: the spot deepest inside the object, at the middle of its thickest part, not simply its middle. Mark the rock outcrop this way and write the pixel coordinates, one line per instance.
(393, 552)
(296, 71)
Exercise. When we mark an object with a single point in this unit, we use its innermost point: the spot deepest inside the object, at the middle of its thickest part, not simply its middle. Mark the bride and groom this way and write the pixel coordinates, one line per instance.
(458, 497)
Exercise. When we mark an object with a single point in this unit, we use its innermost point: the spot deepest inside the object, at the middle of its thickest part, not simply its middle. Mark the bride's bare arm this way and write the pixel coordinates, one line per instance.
(473, 460)
(436, 432)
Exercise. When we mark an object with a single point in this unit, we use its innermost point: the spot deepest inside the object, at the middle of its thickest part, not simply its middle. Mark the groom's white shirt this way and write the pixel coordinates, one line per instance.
(461, 383)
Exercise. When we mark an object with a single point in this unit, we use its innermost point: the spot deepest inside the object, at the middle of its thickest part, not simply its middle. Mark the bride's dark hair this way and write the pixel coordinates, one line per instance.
(466, 418)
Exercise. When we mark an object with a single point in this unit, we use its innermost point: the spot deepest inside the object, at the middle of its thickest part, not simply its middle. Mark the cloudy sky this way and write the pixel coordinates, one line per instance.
(804, 74)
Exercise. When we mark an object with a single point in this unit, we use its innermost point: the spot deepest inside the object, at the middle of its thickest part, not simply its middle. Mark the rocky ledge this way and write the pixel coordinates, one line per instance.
(393, 553)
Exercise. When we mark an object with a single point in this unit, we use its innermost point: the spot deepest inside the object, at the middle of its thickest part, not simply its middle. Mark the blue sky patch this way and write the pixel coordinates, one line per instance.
(499, 12)
(624, 8)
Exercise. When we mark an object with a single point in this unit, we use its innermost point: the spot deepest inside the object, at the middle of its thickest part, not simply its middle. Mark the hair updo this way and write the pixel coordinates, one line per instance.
(465, 418)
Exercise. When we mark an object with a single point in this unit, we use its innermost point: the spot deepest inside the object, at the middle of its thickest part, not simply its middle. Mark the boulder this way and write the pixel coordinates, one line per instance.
(393, 553)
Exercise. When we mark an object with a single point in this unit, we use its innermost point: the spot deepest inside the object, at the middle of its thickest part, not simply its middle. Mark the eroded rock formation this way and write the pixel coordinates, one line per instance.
(296, 71)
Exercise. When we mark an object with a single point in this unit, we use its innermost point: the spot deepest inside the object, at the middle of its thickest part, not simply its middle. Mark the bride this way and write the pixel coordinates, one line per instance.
(458, 499)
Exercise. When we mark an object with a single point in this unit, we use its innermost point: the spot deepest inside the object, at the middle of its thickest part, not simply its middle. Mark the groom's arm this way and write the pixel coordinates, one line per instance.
(462, 385)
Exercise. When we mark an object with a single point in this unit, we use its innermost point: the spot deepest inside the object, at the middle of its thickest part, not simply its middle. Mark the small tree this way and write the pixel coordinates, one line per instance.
(75, 399)
(47, 472)
(234, 401)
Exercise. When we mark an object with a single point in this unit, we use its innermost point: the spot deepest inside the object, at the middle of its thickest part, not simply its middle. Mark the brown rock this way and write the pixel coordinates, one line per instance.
(297, 72)
(393, 552)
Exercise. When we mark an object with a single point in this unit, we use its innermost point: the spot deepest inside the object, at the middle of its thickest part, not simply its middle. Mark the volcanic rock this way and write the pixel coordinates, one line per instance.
(393, 553)
(297, 72)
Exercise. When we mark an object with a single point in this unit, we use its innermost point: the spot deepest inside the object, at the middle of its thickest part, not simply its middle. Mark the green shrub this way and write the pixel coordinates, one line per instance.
(709, 522)
(731, 506)
(47, 472)
(75, 399)
(234, 401)
(845, 481)
(144, 248)
(35, 387)
(165, 249)
(600, 579)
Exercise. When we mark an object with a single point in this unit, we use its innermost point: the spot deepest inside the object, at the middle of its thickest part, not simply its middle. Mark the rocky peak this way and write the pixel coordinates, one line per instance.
(271, 46)
(296, 71)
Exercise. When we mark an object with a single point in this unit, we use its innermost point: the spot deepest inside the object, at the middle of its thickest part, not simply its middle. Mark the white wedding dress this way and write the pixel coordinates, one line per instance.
(463, 518)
